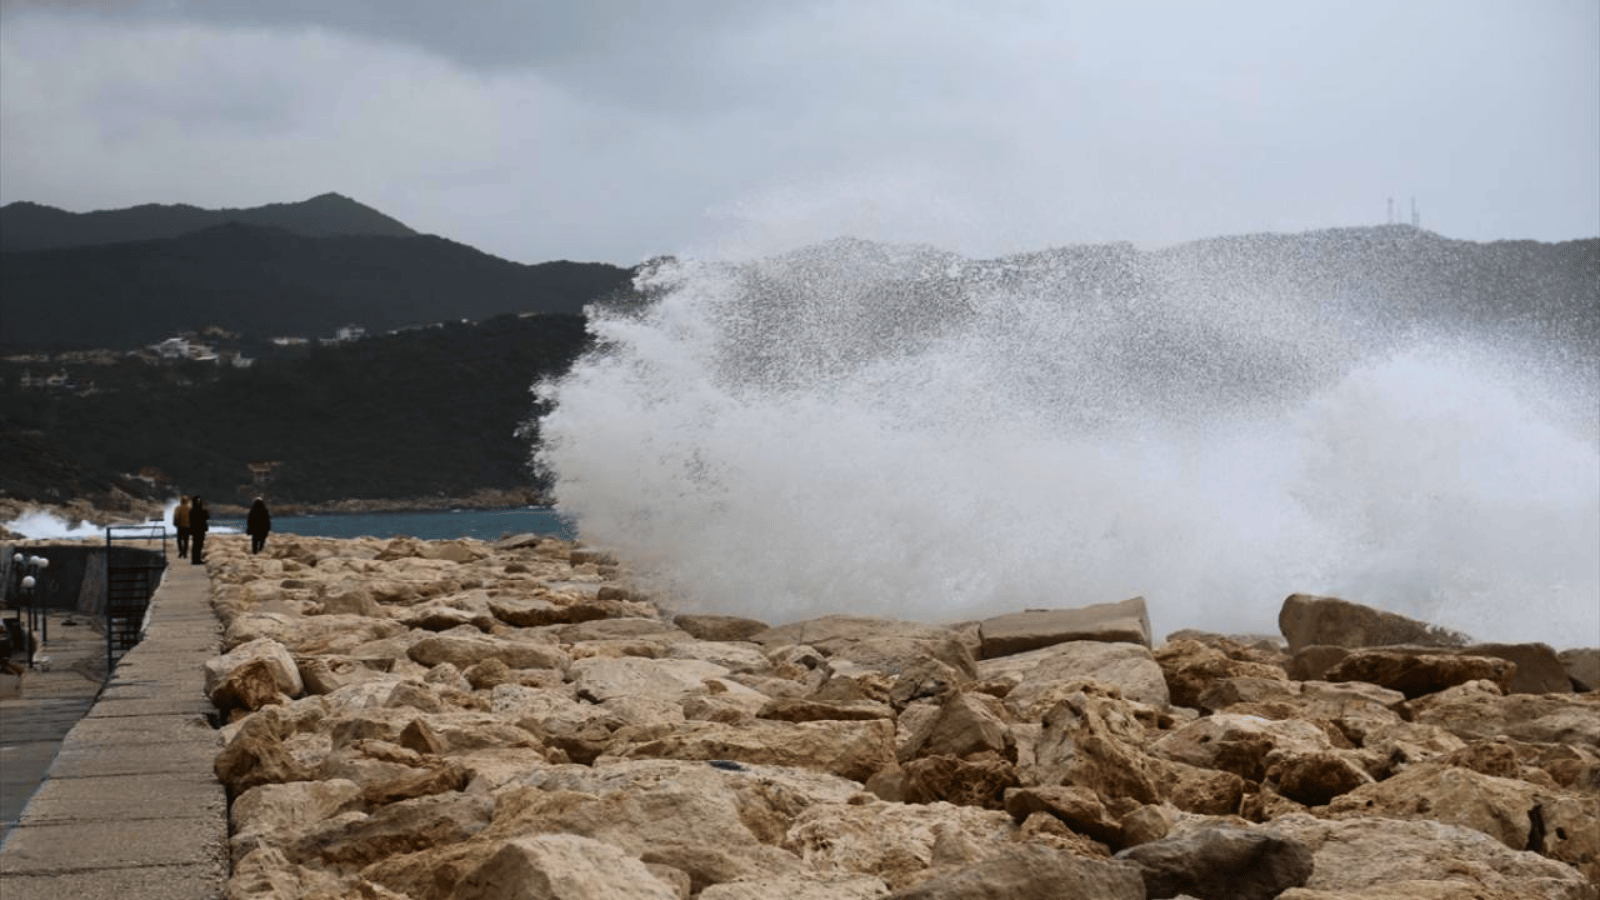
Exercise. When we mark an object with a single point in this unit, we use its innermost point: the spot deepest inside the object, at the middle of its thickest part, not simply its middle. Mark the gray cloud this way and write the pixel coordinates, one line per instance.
(617, 130)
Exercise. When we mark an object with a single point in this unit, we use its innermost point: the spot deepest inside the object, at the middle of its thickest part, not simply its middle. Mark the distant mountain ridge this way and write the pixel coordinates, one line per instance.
(28, 226)
(286, 269)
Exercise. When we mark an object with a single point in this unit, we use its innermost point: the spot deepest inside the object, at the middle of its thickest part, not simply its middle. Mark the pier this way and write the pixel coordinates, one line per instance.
(107, 788)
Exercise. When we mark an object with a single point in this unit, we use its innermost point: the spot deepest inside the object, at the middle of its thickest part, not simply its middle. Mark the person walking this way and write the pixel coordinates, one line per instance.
(180, 522)
(199, 523)
(257, 524)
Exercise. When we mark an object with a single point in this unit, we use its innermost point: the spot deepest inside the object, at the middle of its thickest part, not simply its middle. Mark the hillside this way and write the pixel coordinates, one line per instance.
(32, 226)
(432, 411)
(265, 281)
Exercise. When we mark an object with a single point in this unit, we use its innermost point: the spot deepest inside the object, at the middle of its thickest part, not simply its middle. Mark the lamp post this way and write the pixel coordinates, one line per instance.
(28, 566)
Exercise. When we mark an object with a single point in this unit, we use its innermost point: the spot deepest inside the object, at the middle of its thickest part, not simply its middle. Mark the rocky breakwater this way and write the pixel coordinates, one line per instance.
(459, 720)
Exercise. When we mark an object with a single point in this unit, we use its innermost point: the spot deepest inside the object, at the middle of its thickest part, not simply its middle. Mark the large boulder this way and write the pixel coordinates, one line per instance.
(1357, 855)
(1019, 632)
(1238, 743)
(1478, 710)
(1305, 620)
(252, 675)
(561, 867)
(708, 627)
(896, 842)
(1583, 667)
(1221, 863)
(1521, 815)
(598, 679)
(853, 750)
(1416, 674)
(1190, 667)
(886, 645)
(1030, 872)
(465, 650)
(1035, 673)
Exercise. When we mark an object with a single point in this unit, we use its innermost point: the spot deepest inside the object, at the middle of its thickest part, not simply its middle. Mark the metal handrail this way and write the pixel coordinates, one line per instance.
(126, 533)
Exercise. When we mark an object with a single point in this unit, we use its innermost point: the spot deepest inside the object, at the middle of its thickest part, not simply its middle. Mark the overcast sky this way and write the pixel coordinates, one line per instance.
(615, 130)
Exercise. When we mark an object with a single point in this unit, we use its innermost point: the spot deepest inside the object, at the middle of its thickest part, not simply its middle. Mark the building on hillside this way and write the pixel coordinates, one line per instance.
(261, 472)
(173, 348)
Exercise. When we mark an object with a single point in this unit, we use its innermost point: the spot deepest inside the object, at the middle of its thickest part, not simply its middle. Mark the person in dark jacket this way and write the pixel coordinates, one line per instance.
(199, 523)
(180, 522)
(257, 524)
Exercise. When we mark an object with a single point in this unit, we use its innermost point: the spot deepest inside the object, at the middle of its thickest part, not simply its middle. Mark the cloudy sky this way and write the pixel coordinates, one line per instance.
(615, 130)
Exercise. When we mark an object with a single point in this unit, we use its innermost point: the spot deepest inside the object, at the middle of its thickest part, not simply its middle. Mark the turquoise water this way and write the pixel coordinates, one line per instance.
(488, 525)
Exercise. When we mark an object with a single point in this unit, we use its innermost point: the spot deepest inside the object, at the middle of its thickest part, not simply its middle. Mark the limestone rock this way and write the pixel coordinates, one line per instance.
(1130, 667)
(1539, 670)
(705, 627)
(266, 657)
(853, 750)
(859, 887)
(599, 679)
(1477, 710)
(1314, 779)
(1514, 812)
(1416, 674)
(1305, 619)
(276, 814)
(1583, 667)
(404, 826)
(1189, 667)
(1360, 854)
(1238, 743)
(896, 842)
(1147, 823)
(561, 867)
(964, 724)
(463, 651)
(1093, 740)
(1127, 621)
(978, 782)
(1030, 872)
(249, 687)
(1221, 863)
(1078, 807)
(714, 824)
(785, 709)
(886, 645)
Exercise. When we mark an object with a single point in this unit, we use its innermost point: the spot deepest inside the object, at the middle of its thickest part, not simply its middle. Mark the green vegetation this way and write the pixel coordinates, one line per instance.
(431, 411)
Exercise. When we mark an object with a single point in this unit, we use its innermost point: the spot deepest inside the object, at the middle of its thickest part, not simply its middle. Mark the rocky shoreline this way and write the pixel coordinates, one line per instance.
(459, 719)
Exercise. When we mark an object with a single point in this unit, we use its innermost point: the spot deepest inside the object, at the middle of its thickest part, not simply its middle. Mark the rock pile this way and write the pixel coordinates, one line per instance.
(458, 720)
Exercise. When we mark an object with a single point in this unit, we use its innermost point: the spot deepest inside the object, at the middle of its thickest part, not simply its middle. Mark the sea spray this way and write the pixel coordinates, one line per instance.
(897, 431)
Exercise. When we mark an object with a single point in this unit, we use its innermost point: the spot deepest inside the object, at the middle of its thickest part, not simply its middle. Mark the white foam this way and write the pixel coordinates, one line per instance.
(825, 433)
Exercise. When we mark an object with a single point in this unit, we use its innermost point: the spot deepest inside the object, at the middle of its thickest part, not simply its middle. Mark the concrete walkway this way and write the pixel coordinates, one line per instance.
(129, 809)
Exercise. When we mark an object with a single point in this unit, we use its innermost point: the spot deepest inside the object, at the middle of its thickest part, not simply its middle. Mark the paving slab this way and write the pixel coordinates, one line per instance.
(134, 758)
(123, 803)
(191, 882)
(125, 842)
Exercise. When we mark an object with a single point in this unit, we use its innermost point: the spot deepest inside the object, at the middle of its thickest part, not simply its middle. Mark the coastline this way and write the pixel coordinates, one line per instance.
(128, 510)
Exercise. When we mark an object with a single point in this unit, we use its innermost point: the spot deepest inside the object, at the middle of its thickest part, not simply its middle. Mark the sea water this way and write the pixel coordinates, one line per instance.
(487, 525)
(896, 431)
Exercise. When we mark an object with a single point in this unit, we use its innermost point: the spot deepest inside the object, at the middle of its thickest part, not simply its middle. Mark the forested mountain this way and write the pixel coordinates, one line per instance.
(431, 411)
(33, 226)
(265, 281)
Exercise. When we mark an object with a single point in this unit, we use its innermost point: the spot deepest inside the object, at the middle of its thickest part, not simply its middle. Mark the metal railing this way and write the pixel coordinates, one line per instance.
(130, 583)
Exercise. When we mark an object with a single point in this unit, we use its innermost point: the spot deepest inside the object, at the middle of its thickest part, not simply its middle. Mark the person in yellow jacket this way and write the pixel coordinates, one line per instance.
(180, 521)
